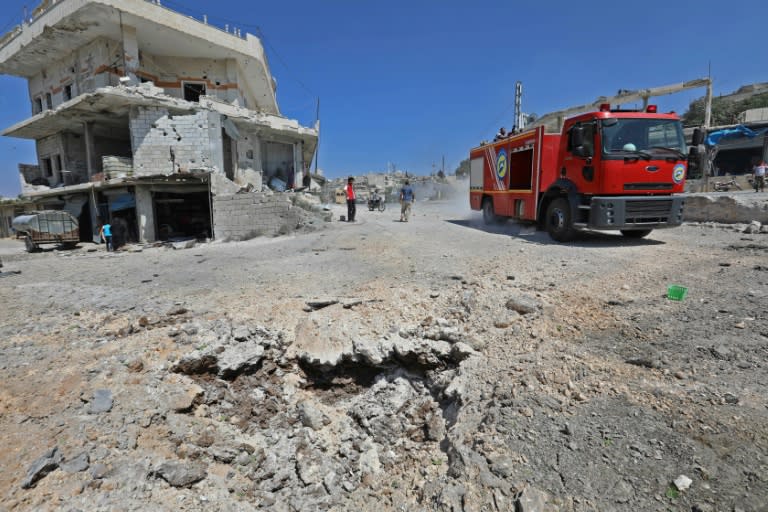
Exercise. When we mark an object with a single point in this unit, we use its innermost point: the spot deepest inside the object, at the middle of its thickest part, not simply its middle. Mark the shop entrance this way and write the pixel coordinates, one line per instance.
(182, 215)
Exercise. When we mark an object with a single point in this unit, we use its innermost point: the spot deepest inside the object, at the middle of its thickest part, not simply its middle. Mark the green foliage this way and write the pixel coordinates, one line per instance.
(463, 168)
(672, 492)
(724, 111)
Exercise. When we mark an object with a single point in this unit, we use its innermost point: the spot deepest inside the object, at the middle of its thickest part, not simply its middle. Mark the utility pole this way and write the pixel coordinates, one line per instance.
(518, 124)
(707, 123)
(317, 124)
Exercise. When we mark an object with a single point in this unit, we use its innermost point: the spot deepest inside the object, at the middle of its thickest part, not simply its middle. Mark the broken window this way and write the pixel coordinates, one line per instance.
(48, 101)
(67, 92)
(37, 107)
(193, 91)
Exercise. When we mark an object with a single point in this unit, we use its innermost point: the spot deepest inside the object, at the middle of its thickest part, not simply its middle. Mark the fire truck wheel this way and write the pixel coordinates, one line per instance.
(636, 233)
(558, 222)
(489, 217)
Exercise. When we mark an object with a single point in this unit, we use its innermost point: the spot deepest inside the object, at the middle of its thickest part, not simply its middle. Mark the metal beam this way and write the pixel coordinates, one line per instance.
(554, 120)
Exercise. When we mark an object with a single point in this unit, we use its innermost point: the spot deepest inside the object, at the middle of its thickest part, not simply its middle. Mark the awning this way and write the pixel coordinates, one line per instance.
(739, 131)
(122, 202)
(75, 205)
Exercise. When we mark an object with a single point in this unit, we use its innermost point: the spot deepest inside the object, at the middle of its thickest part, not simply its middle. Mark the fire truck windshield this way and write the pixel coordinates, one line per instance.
(662, 138)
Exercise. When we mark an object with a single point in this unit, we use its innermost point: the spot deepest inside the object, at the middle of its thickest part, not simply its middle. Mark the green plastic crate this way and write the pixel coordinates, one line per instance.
(676, 292)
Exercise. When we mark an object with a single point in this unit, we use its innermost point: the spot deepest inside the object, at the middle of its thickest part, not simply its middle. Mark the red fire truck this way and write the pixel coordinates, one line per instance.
(606, 170)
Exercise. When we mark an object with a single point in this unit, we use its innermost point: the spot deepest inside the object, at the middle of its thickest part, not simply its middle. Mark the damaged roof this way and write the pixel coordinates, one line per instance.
(70, 24)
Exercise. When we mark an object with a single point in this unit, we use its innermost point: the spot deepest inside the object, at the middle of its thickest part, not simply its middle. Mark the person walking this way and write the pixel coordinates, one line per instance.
(760, 176)
(407, 197)
(351, 197)
(106, 235)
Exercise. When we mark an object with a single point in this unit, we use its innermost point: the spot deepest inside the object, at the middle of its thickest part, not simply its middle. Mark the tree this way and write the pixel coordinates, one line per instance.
(463, 169)
(724, 110)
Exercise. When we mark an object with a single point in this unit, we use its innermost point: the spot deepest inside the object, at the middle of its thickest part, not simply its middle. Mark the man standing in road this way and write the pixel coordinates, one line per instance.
(760, 176)
(350, 191)
(407, 197)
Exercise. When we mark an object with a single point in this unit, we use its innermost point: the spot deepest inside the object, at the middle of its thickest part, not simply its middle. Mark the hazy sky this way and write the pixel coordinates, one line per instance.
(410, 82)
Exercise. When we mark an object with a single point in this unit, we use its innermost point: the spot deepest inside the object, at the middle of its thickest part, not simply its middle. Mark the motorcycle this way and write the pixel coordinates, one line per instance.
(376, 202)
(724, 186)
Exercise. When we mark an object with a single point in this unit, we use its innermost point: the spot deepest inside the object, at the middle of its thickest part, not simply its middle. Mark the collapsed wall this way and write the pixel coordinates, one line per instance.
(248, 215)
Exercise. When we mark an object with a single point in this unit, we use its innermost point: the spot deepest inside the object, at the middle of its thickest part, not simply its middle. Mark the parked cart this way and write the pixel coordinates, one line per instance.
(47, 227)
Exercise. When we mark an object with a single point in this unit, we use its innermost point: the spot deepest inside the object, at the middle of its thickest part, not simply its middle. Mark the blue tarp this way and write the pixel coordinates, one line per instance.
(737, 131)
(122, 202)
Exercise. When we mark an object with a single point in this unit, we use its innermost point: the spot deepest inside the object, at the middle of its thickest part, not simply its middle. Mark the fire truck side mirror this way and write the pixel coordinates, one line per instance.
(582, 151)
(577, 143)
(698, 137)
(694, 163)
(577, 136)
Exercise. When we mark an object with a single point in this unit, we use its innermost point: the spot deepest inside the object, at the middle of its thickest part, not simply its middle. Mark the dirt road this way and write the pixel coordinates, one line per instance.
(430, 365)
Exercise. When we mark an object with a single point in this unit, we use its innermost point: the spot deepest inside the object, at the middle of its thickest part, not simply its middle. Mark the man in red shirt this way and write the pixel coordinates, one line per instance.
(350, 190)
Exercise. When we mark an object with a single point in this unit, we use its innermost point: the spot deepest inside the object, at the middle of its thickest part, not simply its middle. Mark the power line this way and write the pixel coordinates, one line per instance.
(285, 65)
(501, 117)
(240, 24)
(11, 24)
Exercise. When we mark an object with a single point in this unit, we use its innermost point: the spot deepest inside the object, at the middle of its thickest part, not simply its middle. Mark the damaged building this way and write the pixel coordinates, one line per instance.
(736, 149)
(145, 115)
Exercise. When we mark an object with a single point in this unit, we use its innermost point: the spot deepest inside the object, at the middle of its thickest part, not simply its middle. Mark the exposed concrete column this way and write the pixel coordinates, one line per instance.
(131, 49)
(298, 166)
(90, 150)
(216, 143)
(233, 78)
(145, 215)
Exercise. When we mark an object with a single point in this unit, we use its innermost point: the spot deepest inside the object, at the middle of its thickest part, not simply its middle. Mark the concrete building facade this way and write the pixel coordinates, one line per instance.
(143, 114)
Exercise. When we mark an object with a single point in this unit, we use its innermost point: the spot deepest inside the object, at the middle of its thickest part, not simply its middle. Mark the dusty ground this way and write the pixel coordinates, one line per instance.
(456, 368)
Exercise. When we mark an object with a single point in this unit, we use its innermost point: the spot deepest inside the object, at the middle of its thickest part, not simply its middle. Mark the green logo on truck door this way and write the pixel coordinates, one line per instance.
(678, 173)
(501, 164)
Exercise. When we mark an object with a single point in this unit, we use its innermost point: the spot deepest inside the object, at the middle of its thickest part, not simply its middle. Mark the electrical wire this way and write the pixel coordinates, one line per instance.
(239, 24)
(502, 115)
(7, 27)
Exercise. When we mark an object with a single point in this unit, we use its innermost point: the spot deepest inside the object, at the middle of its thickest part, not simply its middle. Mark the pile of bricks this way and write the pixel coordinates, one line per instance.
(117, 167)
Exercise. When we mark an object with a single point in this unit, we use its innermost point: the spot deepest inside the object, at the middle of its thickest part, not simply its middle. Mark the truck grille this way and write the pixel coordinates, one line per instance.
(640, 211)
(648, 186)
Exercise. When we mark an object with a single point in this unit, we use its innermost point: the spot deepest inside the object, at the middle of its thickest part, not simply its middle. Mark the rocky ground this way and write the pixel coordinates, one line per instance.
(430, 365)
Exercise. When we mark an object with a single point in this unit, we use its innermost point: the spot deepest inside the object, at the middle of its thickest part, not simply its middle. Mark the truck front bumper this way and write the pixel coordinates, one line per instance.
(635, 212)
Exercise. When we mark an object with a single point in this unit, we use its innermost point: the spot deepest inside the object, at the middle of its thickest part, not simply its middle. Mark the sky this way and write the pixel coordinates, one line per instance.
(408, 84)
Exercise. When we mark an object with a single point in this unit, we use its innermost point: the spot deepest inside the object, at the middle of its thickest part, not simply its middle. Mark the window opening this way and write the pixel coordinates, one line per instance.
(38, 105)
(193, 91)
(48, 101)
(67, 92)
(47, 167)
